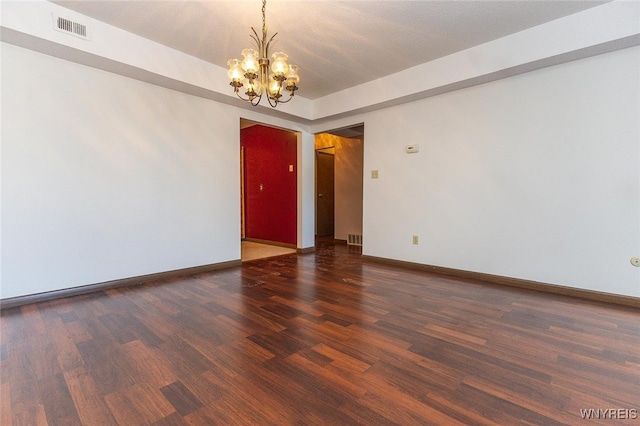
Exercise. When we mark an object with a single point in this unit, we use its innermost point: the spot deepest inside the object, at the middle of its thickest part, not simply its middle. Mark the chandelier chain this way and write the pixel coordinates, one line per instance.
(264, 24)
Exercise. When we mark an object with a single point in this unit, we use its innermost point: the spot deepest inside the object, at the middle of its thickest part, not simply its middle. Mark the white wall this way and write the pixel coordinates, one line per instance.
(105, 177)
(534, 177)
(306, 191)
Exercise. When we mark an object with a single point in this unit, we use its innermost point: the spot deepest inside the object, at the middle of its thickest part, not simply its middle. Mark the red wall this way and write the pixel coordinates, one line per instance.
(270, 212)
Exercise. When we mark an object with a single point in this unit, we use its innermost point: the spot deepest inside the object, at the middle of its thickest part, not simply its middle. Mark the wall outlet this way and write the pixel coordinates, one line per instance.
(412, 149)
(374, 174)
(635, 261)
(415, 240)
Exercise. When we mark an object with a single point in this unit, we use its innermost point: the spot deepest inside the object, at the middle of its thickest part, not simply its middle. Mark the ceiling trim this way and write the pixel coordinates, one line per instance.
(584, 53)
(608, 27)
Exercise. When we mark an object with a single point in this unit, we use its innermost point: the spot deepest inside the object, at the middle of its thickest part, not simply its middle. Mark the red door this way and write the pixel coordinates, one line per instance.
(270, 179)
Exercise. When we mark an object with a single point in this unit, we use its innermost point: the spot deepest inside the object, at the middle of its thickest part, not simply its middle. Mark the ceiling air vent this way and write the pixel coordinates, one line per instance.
(69, 26)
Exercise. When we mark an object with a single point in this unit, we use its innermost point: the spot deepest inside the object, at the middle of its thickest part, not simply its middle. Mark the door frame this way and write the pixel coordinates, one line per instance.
(318, 151)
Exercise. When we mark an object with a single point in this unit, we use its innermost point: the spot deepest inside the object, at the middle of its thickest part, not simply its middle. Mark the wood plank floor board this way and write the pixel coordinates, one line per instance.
(360, 414)
(89, 403)
(58, 403)
(456, 409)
(321, 338)
(139, 404)
(501, 410)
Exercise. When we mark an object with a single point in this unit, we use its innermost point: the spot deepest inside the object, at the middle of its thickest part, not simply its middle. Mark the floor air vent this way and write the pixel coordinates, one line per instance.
(70, 27)
(354, 240)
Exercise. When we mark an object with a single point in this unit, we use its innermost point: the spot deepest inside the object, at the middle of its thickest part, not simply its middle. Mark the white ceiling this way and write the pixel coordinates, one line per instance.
(337, 44)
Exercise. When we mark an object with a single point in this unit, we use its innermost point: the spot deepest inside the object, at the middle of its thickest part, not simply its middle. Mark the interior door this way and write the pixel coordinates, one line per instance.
(270, 184)
(324, 193)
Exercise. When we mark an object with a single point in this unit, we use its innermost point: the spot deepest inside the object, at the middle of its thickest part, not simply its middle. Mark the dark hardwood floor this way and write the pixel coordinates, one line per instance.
(321, 338)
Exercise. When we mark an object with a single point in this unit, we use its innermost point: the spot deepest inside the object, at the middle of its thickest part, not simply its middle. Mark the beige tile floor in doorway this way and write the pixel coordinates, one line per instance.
(252, 250)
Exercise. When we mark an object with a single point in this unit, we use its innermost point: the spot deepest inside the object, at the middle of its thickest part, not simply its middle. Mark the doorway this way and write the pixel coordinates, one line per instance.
(268, 192)
(339, 184)
(325, 191)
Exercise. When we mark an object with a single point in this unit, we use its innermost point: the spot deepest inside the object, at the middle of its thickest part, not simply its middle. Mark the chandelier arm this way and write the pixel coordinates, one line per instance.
(257, 100)
(266, 50)
(288, 99)
(240, 96)
(257, 40)
(272, 102)
(254, 101)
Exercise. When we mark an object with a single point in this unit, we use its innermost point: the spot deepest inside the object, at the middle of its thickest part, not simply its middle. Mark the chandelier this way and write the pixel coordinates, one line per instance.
(253, 72)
